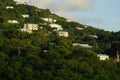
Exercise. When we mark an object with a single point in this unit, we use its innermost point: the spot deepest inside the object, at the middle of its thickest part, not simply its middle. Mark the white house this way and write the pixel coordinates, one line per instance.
(13, 21)
(45, 51)
(56, 26)
(48, 19)
(25, 15)
(82, 45)
(29, 28)
(103, 57)
(79, 28)
(26, 30)
(20, 3)
(68, 20)
(85, 26)
(54, 20)
(85, 45)
(9, 7)
(76, 44)
(62, 33)
(93, 36)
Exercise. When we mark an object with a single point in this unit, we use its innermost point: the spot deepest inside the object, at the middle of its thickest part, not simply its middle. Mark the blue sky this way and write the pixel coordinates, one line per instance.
(107, 12)
(104, 14)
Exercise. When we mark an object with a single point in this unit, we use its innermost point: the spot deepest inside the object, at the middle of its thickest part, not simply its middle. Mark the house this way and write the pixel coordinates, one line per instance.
(54, 20)
(79, 28)
(41, 27)
(29, 28)
(9, 7)
(48, 19)
(82, 45)
(45, 51)
(93, 36)
(52, 43)
(20, 3)
(13, 21)
(86, 26)
(76, 44)
(103, 57)
(68, 20)
(39, 10)
(62, 33)
(26, 30)
(56, 27)
(85, 45)
(25, 15)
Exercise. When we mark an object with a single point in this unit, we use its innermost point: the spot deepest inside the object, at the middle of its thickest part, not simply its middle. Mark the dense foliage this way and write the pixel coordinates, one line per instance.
(44, 56)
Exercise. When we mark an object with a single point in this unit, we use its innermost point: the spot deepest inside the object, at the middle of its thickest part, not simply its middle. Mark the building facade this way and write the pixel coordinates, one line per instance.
(56, 27)
(13, 21)
(29, 28)
(25, 15)
(103, 57)
(82, 45)
(9, 7)
(62, 33)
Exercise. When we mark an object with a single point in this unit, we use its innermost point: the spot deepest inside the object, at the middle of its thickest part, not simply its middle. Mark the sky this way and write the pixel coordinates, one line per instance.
(103, 14)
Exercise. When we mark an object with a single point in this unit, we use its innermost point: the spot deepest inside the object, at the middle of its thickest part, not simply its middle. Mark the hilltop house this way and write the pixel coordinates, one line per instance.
(68, 20)
(62, 33)
(93, 36)
(103, 57)
(82, 45)
(85, 26)
(56, 27)
(49, 20)
(79, 28)
(9, 7)
(20, 3)
(29, 28)
(13, 21)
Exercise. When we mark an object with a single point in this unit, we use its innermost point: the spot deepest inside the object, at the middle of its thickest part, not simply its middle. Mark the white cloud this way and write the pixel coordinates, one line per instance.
(62, 4)
(64, 8)
(74, 5)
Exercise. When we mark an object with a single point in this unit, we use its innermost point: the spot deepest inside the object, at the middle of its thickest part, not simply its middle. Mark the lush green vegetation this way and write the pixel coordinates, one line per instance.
(44, 56)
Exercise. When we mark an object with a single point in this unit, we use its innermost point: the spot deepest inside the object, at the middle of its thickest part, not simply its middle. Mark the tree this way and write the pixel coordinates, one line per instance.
(116, 49)
(18, 44)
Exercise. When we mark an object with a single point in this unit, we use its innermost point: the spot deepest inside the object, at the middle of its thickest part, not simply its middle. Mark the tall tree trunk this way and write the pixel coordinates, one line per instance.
(19, 52)
(118, 56)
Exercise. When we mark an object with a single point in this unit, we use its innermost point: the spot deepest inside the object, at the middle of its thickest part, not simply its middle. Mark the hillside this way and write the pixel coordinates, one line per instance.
(36, 44)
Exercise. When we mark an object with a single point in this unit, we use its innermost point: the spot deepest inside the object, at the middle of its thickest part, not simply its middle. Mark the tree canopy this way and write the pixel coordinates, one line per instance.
(43, 55)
